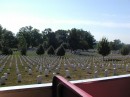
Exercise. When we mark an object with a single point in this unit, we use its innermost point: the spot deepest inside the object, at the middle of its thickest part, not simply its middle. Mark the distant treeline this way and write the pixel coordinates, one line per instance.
(31, 37)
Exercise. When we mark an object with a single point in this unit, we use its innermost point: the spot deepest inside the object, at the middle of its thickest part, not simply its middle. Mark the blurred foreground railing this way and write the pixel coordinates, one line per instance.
(116, 86)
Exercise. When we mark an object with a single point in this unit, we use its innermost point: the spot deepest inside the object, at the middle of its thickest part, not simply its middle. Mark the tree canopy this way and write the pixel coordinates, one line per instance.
(73, 39)
(103, 47)
(125, 50)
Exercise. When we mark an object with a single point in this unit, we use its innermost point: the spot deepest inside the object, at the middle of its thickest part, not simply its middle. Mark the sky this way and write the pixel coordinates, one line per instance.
(103, 18)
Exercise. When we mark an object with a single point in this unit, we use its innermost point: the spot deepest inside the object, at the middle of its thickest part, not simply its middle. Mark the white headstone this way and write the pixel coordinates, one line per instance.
(122, 66)
(40, 69)
(106, 73)
(102, 67)
(57, 70)
(3, 80)
(95, 74)
(39, 79)
(95, 68)
(74, 68)
(17, 71)
(6, 76)
(30, 71)
(19, 78)
(114, 71)
(0, 70)
(114, 66)
(54, 74)
(65, 66)
(10, 65)
(88, 70)
(8, 71)
(46, 72)
(127, 68)
(119, 66)
(67, 73)
(26, 69)
(37, 68)
(109, 65)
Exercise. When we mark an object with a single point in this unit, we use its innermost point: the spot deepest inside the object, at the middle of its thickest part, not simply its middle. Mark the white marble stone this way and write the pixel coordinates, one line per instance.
(3, 79)
(114, 71)
(65, 66)
(6, 76)
(40, 70)
(57, 70)
(19, 78)
(67, 72)
(96, 74)
(37, 68)
(127, 68)
(88, 70)
(0, 70)
(26, 69)
(17, 71)
(8, 71)
(106, 73)
(30, 71)
(39, 79)
(46, 72)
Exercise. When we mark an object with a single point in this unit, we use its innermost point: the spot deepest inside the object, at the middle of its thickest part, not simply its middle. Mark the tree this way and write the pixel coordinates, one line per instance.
(40, 50)
(61, 36)
(36, 38)
(125, 50)
(22, 45)
(50, 51)
(60, 51)
(6, 51)
(52, 40)
(116, 44)
(80, 39)
(26, 33)
(103, 47)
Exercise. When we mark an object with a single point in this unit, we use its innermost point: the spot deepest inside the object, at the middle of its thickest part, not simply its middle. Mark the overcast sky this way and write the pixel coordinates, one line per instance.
(109, 18)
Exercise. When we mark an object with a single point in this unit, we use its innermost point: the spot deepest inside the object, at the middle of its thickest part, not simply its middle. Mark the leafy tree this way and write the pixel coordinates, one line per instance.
(80, 39)
(26, 33)
(74, 39)
(22, 45)
(116, 44)
(60, 51)
(52, 40)
(10, 51)
(36, 38)
(61, 36)
(51, 51)
(23, 51)
(125, 50)
(40, 50)
(84, 45)
(65, 45)
(103, 47)
(6, 51)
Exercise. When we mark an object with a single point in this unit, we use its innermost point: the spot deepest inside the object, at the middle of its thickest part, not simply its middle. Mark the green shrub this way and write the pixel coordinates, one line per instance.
(40, 50)
(23, 51)
(50, 51)
(60, 51)
(125, 50)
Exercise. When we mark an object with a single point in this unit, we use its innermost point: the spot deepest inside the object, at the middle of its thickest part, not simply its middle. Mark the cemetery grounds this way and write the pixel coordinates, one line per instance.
(71, 66)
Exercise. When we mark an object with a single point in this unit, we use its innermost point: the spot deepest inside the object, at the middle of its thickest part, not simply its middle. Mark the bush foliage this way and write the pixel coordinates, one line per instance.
(50, 51)
(60, 51)
(40, 50)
